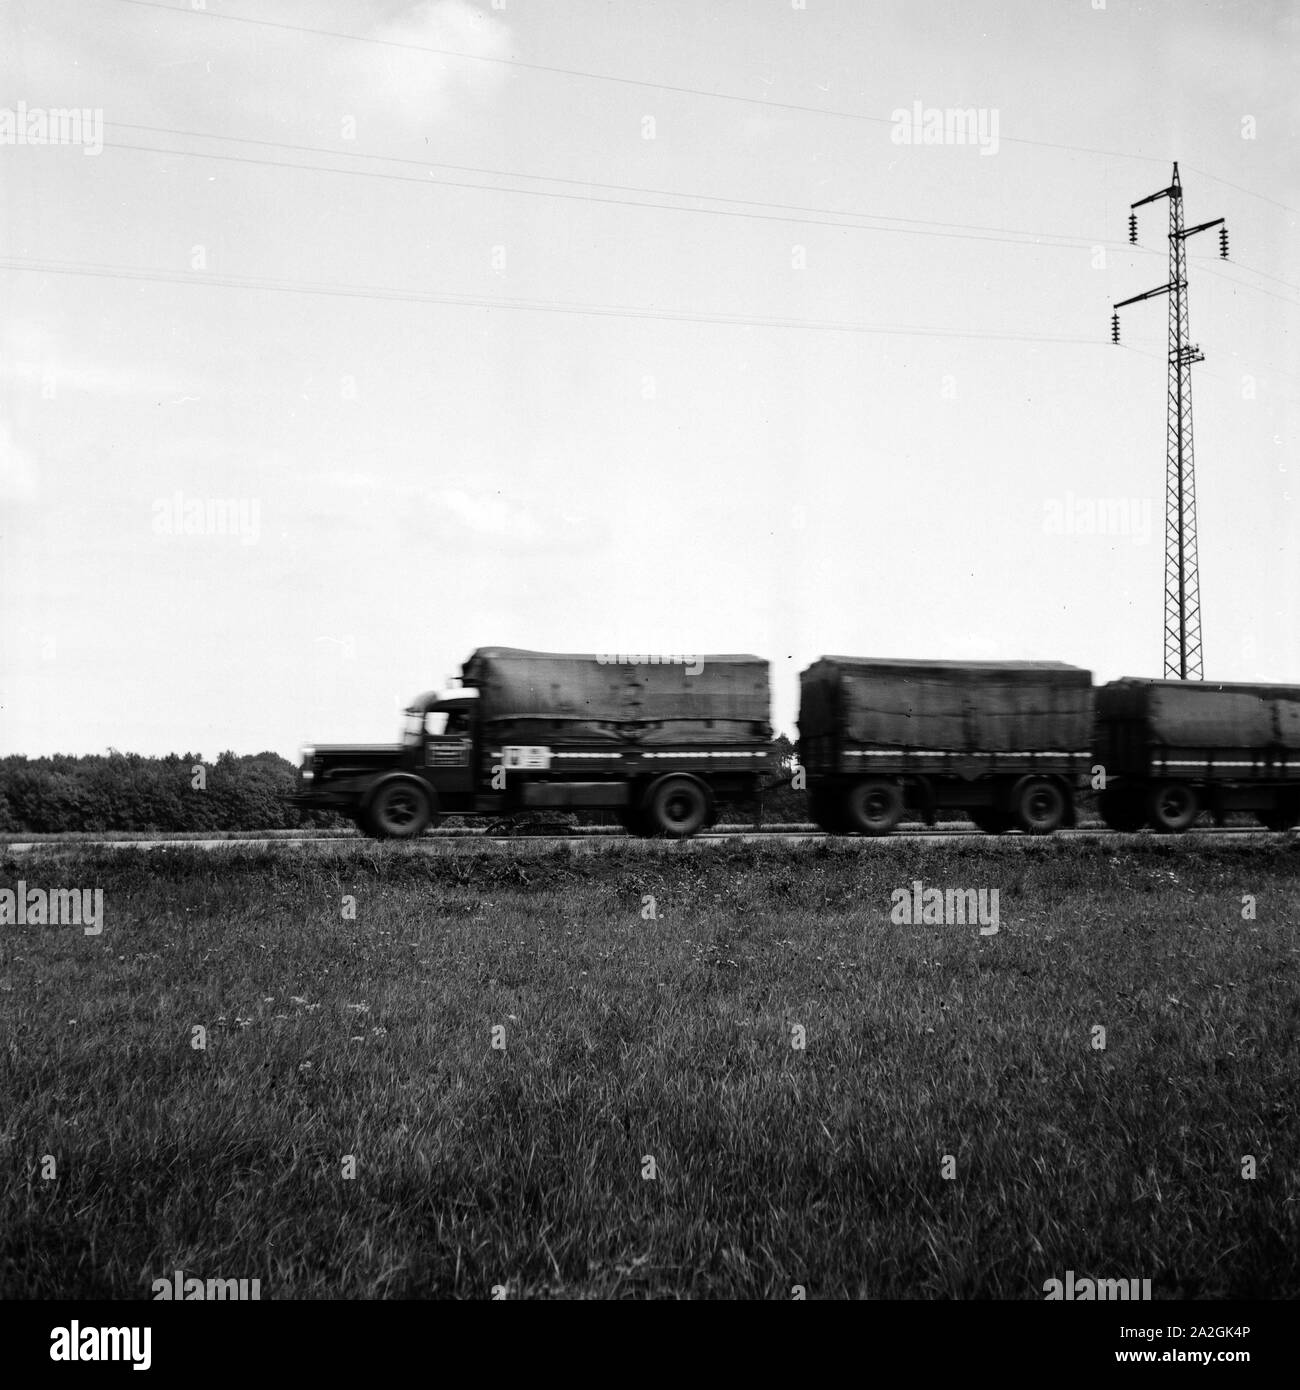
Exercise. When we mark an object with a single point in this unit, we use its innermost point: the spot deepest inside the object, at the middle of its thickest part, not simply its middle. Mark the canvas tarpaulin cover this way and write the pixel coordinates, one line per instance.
(960, 706)
(1196, 714)
(550, 697)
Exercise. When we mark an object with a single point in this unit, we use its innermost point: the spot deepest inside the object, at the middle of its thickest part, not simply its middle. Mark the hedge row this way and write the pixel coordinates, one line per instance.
(126, 791)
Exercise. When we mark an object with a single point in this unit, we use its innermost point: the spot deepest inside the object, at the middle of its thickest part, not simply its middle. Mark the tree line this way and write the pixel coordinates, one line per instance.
(128, 791)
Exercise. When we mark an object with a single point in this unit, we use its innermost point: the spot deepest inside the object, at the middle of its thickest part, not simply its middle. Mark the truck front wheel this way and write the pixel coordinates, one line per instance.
(677, 807)
(398, 811)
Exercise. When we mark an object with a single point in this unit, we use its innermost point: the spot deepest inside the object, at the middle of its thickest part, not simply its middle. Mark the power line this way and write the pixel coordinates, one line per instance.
(1245, 285)
(914, 226)
(581, 183)
(1018, 239)
(1249, 192)
(388, 293)
(637, 82)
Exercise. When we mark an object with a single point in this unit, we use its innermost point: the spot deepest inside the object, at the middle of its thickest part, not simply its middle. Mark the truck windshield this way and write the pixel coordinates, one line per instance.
(436, 724)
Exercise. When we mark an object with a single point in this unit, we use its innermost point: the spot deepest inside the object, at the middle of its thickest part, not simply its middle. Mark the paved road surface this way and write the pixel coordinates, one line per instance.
(461, 842)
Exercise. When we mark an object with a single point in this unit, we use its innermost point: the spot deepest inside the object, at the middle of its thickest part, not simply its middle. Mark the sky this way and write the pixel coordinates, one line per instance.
(340, 338)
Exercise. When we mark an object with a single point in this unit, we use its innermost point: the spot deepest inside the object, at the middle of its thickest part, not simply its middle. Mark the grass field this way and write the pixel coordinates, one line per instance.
(647, 1125)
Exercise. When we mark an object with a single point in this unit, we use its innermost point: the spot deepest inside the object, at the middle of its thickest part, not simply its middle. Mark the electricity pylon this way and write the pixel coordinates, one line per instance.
(1183, 653)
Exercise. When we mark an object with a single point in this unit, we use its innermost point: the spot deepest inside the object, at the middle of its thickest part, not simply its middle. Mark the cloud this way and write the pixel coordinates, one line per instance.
(425, 84)
(486, 514)
(37, 357)
(395, 86)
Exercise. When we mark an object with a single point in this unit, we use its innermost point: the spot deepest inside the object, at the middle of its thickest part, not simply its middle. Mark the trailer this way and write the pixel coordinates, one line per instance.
(662, 742)
(1171, 749)
(1009, 743)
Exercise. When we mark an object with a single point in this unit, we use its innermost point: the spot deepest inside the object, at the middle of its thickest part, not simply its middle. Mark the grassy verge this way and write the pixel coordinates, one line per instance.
(647, 1125)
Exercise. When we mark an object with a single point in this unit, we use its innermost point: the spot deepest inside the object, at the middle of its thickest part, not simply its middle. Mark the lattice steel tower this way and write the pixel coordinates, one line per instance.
(1183, 657)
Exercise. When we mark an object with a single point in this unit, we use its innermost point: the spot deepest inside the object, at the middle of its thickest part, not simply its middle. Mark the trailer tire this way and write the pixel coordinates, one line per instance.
(398, 809)
(1040, 806)
(873, 806)
(677, 807)
(1172, 807)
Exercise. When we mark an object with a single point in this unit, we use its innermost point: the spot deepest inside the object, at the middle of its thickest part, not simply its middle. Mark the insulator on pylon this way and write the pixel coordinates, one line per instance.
(1223, 243)
(1133, 228)
(1114, 328)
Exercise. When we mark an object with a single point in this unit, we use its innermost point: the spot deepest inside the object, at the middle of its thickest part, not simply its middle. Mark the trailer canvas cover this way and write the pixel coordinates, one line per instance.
(1208, 715)
(959, 706)
(552, 697)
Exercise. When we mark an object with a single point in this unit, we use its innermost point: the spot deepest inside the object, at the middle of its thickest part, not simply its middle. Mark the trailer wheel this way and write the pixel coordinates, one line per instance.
(677, 807)
(990, 820)
(874, 807)
(1121, 808)
(1172, 807)
(1039, 806)
(399, 810)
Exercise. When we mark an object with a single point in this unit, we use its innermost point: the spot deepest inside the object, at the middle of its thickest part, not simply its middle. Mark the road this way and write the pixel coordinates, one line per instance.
(456, 842)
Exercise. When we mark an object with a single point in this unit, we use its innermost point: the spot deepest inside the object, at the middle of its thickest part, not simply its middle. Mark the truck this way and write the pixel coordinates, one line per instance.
(661, 742)
(1007, 742)
(1171, 749)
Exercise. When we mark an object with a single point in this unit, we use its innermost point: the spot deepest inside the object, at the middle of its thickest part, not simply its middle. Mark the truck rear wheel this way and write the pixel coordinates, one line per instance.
(1121, 808)
(874, 807)
(677, 807)
(1040, 807)
(399, 811)
(1172, 806)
